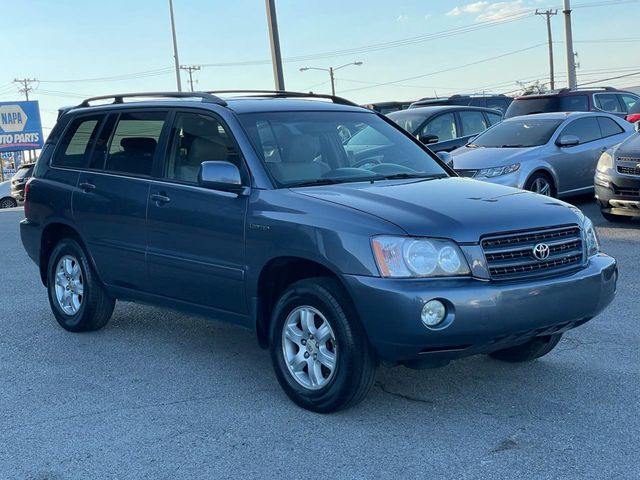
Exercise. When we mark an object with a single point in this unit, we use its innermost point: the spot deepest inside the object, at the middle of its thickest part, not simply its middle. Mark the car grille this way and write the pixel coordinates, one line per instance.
(510, 256)
(466, 173)
(627, 192)
(628, 170)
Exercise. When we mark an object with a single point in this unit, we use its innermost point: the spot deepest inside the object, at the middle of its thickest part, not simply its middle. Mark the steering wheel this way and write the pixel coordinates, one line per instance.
(365, 161)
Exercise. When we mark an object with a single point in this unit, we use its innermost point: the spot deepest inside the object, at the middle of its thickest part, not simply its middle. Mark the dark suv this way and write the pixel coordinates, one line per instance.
(605, 99)
(496, 102)
(251, 210)
(19, 180)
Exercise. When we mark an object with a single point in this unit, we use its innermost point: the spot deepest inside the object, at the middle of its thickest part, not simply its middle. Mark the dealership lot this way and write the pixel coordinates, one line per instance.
(158, 394)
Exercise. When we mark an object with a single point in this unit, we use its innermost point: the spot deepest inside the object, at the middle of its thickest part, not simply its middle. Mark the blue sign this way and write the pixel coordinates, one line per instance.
(20, 126)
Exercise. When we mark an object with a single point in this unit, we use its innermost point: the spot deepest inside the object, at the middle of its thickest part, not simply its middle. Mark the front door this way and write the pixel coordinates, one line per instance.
(196, 235)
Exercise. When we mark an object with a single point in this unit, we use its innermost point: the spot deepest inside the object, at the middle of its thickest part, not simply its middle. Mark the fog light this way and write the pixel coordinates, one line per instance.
(433, 313)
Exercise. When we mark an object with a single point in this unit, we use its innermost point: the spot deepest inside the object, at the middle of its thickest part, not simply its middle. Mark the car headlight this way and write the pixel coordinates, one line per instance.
(591, 243)
(497, 171)
(418, 257)
(606, 161)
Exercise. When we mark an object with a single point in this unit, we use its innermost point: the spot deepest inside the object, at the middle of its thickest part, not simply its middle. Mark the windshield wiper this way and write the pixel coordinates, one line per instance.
(319, 181)
(513, 146)
(400, 176)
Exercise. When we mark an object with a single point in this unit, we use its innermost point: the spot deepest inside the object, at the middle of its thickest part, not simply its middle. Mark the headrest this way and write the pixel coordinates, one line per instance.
(138, 145)
(302, 149)
(203, 150)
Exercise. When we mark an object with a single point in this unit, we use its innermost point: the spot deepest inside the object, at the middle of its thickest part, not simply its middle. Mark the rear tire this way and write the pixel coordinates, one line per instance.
(542, 184)
(77, 298)
(534, 348)
(610, 217)
(333, 334)
(8, 202)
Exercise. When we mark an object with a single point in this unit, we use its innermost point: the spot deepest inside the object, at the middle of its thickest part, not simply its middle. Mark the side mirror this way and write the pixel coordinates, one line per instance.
(218, 175)
(568, 141)
(428, 139)
(446, 157)
(637, 126)
(470, 140)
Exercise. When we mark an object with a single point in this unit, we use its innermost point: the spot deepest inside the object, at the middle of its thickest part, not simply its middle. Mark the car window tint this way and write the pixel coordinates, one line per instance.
(134, 142)
(197, 138)
(608, 102)
(472, 122)
(497, 103)
(573, 103)
(410, 120)
(76, 142)
(629, 101)
(101, 143)
(442, 126)
(494, 118)
(586, 129)
(368, 136)
(609, 127)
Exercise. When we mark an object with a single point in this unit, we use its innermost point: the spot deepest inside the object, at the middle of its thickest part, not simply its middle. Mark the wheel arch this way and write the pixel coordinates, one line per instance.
(544, 169)
(51, 235)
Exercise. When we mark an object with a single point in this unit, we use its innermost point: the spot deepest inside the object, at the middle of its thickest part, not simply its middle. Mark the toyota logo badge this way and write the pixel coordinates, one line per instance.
(541, 251)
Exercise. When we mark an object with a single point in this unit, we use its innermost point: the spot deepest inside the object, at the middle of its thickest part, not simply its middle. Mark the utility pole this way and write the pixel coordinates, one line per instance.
(175, 46)
(571, 61)
(276, 56)
(25, 87)
(549, 14)
(331, 71)
(190, 69)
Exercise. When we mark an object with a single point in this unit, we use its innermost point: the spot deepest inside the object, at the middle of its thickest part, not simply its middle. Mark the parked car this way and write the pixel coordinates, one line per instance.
(552, 154)
(617, 181)
(251, 210)
(493, 101)
(6, 200)
(388, 107)
(18, 181)
(634, 115)
(605, 99)
(446, 128)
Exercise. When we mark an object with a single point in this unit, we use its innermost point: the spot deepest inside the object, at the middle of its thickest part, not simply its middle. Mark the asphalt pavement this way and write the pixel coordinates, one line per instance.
(163, 395)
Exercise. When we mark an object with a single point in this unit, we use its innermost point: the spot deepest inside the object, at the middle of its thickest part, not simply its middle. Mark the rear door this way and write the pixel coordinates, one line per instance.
(110, 201)
(472, 123)
(196, 235)
(576, 164)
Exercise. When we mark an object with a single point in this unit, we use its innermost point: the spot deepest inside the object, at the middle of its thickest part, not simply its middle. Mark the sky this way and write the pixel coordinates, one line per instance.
(408, 48)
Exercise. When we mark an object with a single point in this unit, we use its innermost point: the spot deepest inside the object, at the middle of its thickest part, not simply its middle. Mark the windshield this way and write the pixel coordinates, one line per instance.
(410, 120)
(309, 148)
(523, 132)
(527, 106)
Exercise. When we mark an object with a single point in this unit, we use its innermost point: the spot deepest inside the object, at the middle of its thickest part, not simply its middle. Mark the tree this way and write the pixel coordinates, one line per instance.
(532, 88)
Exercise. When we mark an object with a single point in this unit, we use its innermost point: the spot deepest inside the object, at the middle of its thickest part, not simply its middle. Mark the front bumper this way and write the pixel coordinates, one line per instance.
(616, 194)
(482, 315)
(17, 192)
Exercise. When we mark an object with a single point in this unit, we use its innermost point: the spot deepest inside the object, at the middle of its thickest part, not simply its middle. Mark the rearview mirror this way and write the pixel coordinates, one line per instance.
(428, 138)
(218, 175)
(568, 141)
(446, 157)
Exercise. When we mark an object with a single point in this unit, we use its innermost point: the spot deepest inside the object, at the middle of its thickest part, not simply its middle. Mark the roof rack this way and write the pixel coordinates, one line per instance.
(119, 98)
(563, 90)
(288, 94)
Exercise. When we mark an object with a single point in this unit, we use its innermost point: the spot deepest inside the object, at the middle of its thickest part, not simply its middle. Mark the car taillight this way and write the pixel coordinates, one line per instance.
(633, 117)
(26, 190)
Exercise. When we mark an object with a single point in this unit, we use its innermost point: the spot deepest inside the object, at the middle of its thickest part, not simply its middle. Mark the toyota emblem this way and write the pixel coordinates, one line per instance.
(541, 251)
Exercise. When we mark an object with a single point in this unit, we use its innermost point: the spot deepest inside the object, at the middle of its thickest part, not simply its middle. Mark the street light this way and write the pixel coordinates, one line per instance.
(331, 70)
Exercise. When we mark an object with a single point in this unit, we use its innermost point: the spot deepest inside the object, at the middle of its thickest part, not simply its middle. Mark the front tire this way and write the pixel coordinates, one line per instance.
(534, 348)
(609, 217)
(77, 298)
(319, 350)
(541, 183)
(8, 202)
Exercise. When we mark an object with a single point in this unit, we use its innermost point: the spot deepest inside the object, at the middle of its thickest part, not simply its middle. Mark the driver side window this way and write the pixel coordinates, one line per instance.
(443, 126)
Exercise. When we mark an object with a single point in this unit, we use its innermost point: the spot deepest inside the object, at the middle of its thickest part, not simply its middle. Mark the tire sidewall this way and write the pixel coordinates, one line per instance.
(68, 247)
(324, 301)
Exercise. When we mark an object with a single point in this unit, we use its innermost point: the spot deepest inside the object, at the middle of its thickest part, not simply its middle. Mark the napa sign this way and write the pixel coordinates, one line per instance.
(20, 126)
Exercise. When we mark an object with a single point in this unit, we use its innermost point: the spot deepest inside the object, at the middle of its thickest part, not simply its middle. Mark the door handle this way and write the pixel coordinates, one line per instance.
(87, 187)
(160, 198)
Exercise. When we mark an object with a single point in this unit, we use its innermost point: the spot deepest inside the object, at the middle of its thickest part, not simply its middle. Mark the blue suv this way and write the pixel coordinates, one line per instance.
(252, 210)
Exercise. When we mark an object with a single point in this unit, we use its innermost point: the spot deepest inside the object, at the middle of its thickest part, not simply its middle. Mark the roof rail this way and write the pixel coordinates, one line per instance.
(288, 94)
(119, 98)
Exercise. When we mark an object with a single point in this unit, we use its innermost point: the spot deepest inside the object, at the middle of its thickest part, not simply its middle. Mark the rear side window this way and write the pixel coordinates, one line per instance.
(629, 101)
(134, 142)
(609, 127)
(76, 142)
(494, 118)
(608, 102)
(586, 129)
(472, 123)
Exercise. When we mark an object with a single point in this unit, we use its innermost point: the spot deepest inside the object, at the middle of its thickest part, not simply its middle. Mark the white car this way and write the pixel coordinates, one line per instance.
(6, 200)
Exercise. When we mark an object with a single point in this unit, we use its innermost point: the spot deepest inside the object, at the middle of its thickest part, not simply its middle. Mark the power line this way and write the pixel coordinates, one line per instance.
(25, 85)
(190, 69)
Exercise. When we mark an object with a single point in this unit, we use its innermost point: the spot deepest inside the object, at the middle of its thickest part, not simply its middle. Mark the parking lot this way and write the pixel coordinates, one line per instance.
(158, 394)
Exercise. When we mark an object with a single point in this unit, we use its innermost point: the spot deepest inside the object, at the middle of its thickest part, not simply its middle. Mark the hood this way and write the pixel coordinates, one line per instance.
(466, 158)
(457, 208)
(630, 147)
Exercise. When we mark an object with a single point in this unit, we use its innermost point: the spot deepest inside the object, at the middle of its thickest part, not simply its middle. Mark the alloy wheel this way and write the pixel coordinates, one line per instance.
(8, 203)
(309, 347)
(542, 186)
(69, 285)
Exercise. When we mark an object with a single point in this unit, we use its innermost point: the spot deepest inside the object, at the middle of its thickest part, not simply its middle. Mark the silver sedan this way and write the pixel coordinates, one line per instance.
(552, 154)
